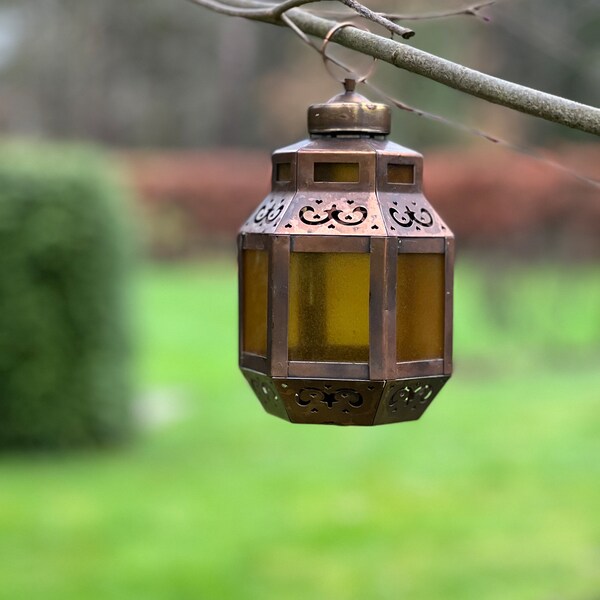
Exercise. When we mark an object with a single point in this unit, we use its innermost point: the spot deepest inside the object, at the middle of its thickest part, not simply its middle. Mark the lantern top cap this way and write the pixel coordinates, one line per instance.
(349, 113)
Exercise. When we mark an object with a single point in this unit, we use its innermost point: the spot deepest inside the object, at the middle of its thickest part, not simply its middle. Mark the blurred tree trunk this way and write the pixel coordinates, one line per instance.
(236, 69)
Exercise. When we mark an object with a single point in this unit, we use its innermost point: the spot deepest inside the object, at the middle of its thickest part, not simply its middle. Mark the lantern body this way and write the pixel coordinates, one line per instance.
(346, 278)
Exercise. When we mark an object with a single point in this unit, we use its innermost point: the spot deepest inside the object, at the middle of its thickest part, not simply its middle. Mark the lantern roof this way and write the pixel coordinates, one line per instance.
(347, 179)
(349, 113)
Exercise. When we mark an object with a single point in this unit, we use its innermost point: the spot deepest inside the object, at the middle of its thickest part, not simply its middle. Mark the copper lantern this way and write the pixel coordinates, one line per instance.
(346, 277)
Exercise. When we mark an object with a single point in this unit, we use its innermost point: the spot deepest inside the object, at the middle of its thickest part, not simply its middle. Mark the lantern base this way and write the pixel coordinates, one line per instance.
(344, 402)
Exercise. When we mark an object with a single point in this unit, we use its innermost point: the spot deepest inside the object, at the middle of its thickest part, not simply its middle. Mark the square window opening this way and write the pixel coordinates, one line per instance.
(336, 172)
(404, 174)
(283, 172)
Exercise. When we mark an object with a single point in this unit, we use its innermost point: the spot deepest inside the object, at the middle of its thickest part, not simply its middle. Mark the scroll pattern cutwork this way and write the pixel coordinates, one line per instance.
(266, 392)
(350, 217)
(269, 212)
(409, 217)
(343, 398)
(411, 397)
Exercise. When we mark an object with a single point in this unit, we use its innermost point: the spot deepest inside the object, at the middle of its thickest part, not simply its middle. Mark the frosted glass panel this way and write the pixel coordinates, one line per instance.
(420, 307)
(329, 307)
(255, 269)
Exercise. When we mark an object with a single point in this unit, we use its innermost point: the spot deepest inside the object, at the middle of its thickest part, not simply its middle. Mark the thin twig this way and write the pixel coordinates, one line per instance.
(272, 13)
(281, 8)
(470, 11)
(298, 31)
(259, 11)
(526, 151)
(367, 13)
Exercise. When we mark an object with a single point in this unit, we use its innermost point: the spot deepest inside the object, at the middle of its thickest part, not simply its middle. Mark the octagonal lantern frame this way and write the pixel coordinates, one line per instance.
(376, 214)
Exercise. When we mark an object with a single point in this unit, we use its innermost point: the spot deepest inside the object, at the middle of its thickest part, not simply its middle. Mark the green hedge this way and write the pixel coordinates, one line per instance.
(64, 261)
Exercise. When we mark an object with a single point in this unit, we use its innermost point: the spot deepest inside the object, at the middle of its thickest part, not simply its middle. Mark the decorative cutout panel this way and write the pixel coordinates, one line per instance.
(268, 215)
(266, 391)
(410, 215)
(407, 400)
(408, 218)
(349, 217)
(330, 402)
(333, 213)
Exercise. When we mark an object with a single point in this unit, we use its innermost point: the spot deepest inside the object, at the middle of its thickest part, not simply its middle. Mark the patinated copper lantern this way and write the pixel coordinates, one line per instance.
(346, 277)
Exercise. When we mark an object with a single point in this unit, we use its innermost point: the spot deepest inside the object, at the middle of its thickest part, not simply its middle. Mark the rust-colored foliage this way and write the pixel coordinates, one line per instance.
(493, 200)
(499, 201)
(192, 200)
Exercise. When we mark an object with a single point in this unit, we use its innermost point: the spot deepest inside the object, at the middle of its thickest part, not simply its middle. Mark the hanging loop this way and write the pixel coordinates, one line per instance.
(327, 60)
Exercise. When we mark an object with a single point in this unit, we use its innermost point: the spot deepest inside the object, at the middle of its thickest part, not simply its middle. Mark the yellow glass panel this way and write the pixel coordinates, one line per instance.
(329, 307)
(400, 173)
(420, 307)
(255, 269)
(336, 172)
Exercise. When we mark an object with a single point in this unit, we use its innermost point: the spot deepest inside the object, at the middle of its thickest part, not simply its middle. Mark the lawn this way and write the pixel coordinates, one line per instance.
(494, 494)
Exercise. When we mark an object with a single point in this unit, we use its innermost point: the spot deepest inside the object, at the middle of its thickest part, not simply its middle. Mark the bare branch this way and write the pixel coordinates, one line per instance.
(495, 90)
(505, 93)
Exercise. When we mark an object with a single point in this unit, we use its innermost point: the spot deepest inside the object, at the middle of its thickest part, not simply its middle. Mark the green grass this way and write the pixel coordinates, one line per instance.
(494, 494)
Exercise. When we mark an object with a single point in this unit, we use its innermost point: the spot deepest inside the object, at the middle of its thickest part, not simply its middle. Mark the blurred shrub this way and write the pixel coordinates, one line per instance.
(63, 322)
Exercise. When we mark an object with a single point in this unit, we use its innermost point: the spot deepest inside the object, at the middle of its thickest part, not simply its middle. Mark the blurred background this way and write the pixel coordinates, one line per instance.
(135, 461)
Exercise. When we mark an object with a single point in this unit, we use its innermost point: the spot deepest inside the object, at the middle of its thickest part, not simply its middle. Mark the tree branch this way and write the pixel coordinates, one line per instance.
(505, 93)
(530, 152)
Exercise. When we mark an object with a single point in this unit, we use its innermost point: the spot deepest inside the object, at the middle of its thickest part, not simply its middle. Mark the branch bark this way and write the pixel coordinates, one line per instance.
(505, 93)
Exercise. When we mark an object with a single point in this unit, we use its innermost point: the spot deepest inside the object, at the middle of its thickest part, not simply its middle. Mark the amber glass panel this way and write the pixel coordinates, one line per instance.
(420, 307)
(336, 172)
(401, 173)
(329, 307)
(255, 269)
(283, 172)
